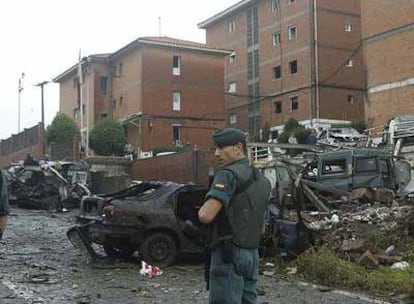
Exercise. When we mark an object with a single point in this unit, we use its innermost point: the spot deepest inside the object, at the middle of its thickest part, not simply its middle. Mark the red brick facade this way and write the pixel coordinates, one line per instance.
(339, 88)
(139, 90)
(388, 43)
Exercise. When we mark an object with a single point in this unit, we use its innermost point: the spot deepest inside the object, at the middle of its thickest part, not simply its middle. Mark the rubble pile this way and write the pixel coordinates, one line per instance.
(374, 232)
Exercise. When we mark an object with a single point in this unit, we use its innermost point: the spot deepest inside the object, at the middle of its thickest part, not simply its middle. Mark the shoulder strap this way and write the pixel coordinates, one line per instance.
(242, 186)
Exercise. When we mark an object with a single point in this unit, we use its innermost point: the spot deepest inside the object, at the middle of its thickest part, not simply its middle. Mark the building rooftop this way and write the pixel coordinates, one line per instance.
(223, 14)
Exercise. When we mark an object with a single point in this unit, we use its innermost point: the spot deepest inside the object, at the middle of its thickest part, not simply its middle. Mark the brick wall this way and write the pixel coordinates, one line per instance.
(388, 33)
(184, 167)
(17, 146)
(335, 46)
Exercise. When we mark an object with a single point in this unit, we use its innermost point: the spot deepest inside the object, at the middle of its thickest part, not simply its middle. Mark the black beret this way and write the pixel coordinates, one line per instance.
(228, 137)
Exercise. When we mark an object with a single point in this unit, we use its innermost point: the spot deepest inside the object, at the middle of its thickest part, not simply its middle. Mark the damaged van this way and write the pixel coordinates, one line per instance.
(348, 169)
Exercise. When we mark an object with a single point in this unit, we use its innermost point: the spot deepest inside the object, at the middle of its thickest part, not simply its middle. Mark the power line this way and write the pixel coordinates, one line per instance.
(342, 65)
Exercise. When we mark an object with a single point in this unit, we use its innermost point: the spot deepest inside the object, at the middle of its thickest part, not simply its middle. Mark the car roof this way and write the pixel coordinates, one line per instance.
(358, 152)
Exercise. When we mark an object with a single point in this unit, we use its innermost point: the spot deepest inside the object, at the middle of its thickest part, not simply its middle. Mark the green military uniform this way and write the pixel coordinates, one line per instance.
(4, 201)
(235, 231)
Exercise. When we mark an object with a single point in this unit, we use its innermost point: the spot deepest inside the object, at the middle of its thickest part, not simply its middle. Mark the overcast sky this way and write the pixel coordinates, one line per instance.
(42, 39)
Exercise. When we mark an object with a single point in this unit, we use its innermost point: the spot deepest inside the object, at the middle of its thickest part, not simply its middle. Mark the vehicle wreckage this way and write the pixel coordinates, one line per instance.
(159, 219)
(37, 186)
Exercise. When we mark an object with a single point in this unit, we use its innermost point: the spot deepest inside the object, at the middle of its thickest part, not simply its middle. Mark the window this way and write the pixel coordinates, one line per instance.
(277, 106)
(351, 99)
(114, 104)
(292, 32)
(232, 57)
(293, 67)
(252, 64)
(120, 68)
(176, 101)
(295, 103)
(232, 26)
(277, 73)
(176, 134)
(275, 5)
(348, 27)
(276, 38)
(365, 164)
(104, 115)
(232, 87)
(334, 166)
(233, 118)
(252, 22)
(103, 82)
(76, 113)
(121, 100)
(176, 65)
(349, 63)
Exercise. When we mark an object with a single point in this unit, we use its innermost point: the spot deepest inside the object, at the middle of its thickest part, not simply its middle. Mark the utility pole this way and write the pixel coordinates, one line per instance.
(20, 89)
(41, 85)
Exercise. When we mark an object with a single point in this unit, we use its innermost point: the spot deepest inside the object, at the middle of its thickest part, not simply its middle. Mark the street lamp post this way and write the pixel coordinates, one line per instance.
(20, 89)
(41, 85)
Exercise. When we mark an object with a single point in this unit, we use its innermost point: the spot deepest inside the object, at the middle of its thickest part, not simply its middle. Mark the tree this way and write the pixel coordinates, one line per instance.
(293, 128)
(108, 138)
(62, 129)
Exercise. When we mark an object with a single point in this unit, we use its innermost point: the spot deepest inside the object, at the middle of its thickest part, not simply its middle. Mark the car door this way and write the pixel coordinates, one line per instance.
(284, 184)
(366, 172)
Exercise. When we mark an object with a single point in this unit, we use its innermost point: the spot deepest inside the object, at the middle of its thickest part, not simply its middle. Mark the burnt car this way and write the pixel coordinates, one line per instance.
(157, 219)
(42, 187)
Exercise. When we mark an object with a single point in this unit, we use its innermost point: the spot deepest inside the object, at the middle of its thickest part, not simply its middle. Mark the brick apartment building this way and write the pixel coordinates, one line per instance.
(163, 90)
(388, 44)
(291, 58)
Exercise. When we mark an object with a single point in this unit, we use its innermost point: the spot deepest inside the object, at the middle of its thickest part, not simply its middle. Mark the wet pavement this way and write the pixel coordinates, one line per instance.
(40, 266)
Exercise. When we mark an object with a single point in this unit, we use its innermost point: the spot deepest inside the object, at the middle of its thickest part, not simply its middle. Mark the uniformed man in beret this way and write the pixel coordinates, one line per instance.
(4, 204)
(235, 209)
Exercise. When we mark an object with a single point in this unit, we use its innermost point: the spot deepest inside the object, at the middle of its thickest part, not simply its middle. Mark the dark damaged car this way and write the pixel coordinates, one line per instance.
(43, 187)
(157, 219)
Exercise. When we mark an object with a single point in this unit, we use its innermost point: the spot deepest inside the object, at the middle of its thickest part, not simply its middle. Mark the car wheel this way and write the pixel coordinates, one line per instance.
(159, 249)
(118, 252)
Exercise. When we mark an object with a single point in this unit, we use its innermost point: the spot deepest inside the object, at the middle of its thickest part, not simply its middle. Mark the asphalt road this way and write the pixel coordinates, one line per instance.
(39, 265)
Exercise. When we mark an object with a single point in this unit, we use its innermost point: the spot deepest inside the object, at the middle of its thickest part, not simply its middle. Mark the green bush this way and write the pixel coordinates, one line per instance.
(291, 125)
(108, 138)
(62, 129)
(301, 133)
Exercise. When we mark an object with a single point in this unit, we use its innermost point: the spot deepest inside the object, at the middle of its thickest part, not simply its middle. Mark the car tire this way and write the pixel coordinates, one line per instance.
(159, 249)
(118, 252)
